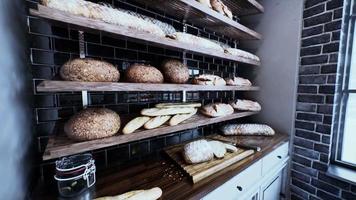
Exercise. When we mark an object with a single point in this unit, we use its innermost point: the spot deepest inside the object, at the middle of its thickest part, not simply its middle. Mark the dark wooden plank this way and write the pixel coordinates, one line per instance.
(57, 15)
(194, 12)
(59, 146)
(74, 86)
(169, 177)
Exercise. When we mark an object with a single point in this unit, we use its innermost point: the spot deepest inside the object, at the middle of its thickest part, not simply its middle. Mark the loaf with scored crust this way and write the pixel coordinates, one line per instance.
(247, 129)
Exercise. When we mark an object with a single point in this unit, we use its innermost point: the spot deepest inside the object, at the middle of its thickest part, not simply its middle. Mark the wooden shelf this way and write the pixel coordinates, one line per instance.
(73, 86)
(83, 23)
(194, 12)
(59, 146)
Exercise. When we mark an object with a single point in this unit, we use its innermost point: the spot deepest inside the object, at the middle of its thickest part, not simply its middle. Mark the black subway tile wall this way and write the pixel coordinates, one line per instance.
(317, 72)
(53, 43)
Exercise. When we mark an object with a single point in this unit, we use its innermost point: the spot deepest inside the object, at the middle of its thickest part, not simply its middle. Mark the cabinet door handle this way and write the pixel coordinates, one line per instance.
(279, 157)
(239, 188)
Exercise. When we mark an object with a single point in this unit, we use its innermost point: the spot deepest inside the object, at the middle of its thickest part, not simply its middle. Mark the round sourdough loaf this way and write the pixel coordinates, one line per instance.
(175, 71)
(141, 73)
(89, 70)
(92, 123)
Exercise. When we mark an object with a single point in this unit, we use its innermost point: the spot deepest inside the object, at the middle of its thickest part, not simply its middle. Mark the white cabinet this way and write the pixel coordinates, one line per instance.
(261, 181)
(273, 190)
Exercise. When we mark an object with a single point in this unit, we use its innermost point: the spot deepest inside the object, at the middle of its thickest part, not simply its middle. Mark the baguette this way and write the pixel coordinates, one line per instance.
(177, 105)
(151, 194)
(135, 124)
(156, 122)
(247, 129)
(153, 112)
(205, 2)
(176, 119)
(246, 105)
(121, 196)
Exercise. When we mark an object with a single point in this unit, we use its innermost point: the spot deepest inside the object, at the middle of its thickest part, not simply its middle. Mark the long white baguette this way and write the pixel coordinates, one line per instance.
(177, 105)
(151, 194)
(135, 124)
(105, 14)
(247, 129)
(176, 119)
(153, 112)
(156, 122)
(123, 196)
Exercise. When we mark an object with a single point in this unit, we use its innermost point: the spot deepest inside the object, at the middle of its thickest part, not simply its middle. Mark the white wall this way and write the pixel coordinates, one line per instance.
(280, 27)
(15, 114)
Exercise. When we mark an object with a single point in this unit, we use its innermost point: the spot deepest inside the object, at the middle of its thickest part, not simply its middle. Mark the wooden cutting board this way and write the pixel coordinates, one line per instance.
(202, 170)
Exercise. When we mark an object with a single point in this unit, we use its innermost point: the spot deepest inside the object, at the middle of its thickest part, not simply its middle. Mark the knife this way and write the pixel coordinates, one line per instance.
(256, 148)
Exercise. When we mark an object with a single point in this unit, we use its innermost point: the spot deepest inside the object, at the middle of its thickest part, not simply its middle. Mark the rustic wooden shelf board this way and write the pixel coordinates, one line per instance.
(203, 170)
(83, 22)
(73, 86)
(59, 146)
(201, 15)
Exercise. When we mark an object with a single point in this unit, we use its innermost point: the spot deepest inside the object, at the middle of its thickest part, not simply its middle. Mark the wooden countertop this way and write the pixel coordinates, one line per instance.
(170, 178)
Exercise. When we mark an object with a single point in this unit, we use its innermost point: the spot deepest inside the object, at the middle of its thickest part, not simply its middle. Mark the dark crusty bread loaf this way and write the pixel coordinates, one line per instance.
(89, 70)
(92, 123)
(175, 71)
(141, 73)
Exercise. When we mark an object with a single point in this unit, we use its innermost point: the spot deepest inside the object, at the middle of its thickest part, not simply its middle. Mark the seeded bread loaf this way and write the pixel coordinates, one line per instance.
(175, 71)
(92, 123)
(247, 129)
(140, 73)
(89, 70)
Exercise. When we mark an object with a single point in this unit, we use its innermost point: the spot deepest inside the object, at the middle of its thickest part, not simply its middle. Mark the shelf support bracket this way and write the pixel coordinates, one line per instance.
(85, 99)
(184, 96)
(81, 44)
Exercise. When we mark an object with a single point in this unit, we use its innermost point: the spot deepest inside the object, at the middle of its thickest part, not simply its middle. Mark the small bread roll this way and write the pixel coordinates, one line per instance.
(156, 122)
(217, 6)
(230, 148)
(205, 2)
(135, 124)
(197, 152)
(218, 148)
(245, 105)
(208, 79)
(176, 119)
(153, 112)
(178, 105)
(217, 110)
(140, 73)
